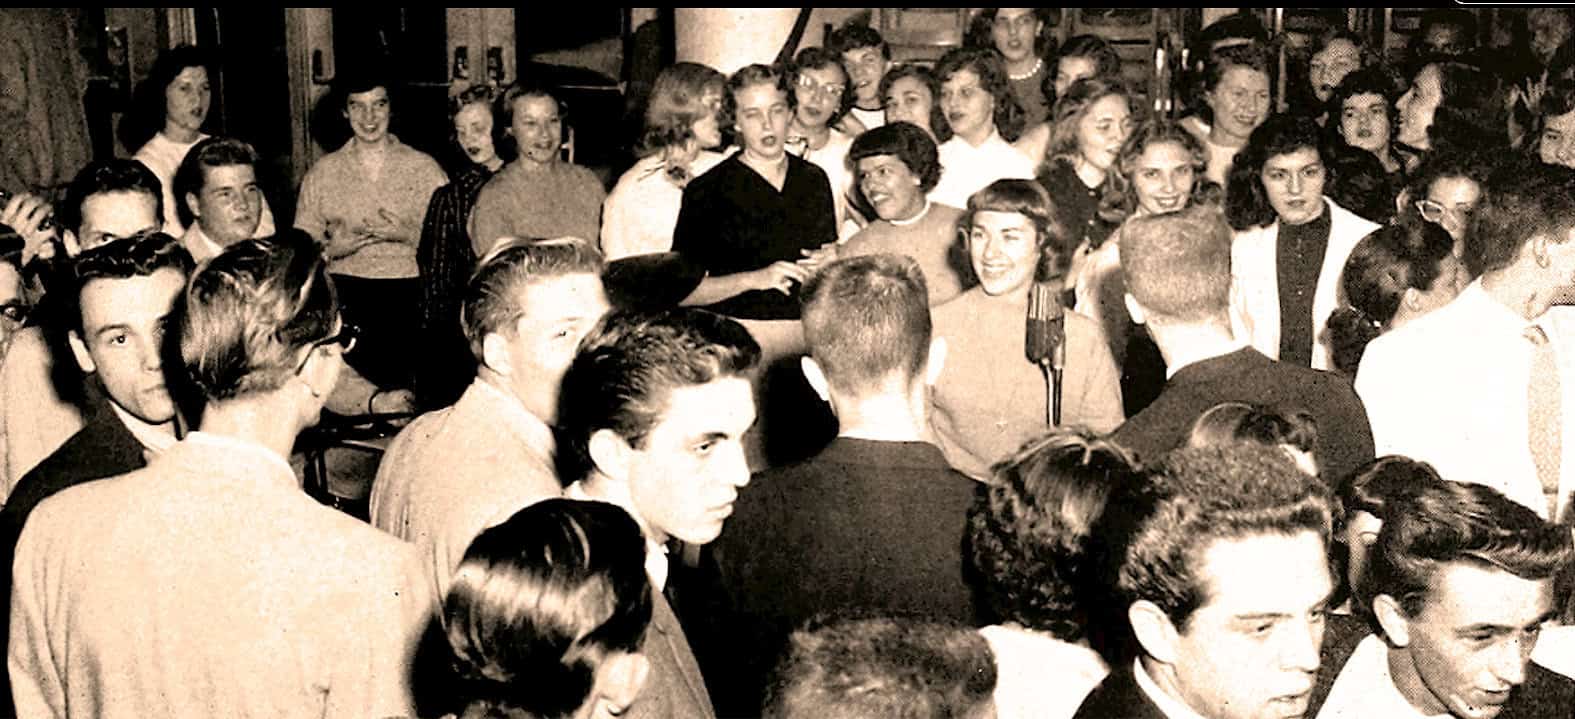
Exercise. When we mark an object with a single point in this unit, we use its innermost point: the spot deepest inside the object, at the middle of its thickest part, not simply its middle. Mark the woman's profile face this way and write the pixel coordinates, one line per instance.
(708, 129)
(186, 99)
(1417, 106)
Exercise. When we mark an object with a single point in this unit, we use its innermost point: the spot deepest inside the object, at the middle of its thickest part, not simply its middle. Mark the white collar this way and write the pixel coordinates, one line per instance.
(145, 434)
(1185, 359)
(616, 493)
(236, 445)
(1365, 688)
(1169, 706)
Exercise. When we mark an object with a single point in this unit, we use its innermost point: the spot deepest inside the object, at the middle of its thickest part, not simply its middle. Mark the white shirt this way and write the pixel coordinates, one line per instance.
(966, 169)
(1167, 705)
(1449, 388)
(201, 247)
(640, 213)
(1024, 690)
(1364, 688)
(871, 119)
(832, 158)
(151, 439)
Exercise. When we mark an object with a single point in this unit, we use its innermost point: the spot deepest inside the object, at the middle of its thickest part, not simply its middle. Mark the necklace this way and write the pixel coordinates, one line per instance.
(1039, 64)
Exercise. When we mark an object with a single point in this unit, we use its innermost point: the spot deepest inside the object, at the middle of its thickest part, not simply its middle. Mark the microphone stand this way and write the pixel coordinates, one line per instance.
(1046, 343)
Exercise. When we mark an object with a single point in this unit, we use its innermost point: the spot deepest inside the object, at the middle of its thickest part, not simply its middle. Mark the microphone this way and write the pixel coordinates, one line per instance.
(1046, 342)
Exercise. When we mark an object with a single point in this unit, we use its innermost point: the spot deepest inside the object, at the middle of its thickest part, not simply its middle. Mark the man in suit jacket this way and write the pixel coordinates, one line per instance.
(653, 413)
(1178, 284)
(1459, 584)
(458, 470)
(208, 583)
(1218, 563)
(849, 511)
(123, 292)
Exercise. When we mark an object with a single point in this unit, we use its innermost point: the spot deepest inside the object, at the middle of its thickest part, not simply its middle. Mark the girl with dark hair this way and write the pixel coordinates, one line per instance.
(912, 94)
(1393, 276)
(983, 118)
(1029, 537)
(168, 112)
(1291, 242)
(1024, 38)
(1452, 104)
(547, 614)
(982, 413)
(1362, 113)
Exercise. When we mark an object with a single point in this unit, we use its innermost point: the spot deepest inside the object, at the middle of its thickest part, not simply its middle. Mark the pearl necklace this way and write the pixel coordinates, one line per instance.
(1039, 64)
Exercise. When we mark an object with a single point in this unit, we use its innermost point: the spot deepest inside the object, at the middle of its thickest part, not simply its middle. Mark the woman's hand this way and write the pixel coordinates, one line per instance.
(779, 276)
(26, 213)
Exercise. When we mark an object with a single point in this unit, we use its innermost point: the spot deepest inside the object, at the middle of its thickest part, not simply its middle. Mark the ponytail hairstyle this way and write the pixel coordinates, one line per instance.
(1377, 274)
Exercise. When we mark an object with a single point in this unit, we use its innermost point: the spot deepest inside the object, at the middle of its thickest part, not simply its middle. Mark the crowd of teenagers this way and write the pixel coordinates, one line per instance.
(961, 389)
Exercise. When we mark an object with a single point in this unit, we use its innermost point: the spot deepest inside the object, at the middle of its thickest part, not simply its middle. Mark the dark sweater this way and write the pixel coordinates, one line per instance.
(1345, 441)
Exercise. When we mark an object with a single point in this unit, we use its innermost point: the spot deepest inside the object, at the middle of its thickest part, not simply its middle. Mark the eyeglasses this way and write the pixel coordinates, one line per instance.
(345, 338)
(1435, 212)
(830, 90)
(15, 312)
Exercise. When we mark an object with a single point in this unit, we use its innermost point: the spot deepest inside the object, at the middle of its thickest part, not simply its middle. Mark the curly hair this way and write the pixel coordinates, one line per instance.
(987, 65)
(1120, 198)
(938, 126)
(1246, 200)
(1028, 533)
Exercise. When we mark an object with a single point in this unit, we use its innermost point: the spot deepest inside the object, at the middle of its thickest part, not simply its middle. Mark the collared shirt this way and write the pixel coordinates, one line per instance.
(616, 494)
(246, 453)
(1167, 705)
(1449, 388)
(1023, 689)
(967, 169)
(1364, 688)
(150, 438)
(199, 244)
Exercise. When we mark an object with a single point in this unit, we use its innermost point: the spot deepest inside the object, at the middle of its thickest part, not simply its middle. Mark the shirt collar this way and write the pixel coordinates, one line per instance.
(535, 432)
(151, 439)
(616, 493)
(1185, 358)
(242, 451)
(199, 244)
(1169, 706)
(1364, 687)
